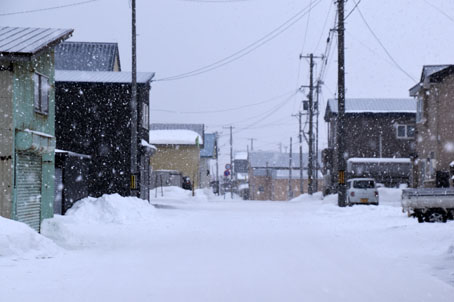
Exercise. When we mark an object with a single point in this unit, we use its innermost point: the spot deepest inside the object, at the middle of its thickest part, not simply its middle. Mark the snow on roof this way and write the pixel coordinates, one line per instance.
(285, 174)
(375, 105)
(147, 145)
(27, 41)
(101, 76)
(90, 56)
(429, 70)
(175, 137)
(70, 153)
(240, 155)
(379, 160)
(262, 159)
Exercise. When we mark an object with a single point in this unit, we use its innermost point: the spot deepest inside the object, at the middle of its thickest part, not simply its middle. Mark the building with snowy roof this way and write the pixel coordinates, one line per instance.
(269, 175)
(178, 148)
(374, 128)
(434, 119)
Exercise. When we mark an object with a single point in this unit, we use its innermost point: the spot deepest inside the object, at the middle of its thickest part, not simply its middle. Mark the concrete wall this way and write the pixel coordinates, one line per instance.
(183, 158)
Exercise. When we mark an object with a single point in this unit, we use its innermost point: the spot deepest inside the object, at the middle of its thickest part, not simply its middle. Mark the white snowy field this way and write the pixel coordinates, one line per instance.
(207, 248)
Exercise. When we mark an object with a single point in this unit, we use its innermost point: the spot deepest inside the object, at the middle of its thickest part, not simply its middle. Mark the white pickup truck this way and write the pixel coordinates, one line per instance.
(429, 204)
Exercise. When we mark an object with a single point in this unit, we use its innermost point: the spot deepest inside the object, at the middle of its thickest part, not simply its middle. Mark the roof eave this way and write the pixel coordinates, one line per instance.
(27, 56)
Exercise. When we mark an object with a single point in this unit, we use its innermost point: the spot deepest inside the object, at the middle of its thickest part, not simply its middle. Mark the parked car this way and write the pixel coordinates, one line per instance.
(187, 185)
(362, 191)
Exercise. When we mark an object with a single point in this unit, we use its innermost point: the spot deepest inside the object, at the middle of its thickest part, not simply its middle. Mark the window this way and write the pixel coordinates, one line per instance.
(145, 115)
(41, 93)
(419, 110)
(405, 131)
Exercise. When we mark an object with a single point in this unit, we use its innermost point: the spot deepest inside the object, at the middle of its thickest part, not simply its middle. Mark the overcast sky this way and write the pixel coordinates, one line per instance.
(177, 36)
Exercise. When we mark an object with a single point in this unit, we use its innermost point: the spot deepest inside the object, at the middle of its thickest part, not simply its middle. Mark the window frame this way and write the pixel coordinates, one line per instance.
(406, 127)
(41, 96)
(145, 120)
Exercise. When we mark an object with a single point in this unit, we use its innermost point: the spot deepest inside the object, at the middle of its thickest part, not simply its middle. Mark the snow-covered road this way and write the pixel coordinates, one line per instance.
(224, 250)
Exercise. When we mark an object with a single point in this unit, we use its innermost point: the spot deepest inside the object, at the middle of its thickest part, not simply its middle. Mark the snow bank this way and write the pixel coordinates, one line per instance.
(86, 222)
(111, 209)
(19, 240)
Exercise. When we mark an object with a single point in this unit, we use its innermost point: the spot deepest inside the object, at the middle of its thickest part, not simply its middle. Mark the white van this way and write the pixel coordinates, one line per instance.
(362, 191)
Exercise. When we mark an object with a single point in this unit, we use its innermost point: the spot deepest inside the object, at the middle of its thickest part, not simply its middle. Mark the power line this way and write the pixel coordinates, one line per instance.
(47, 8)
(227, 109)
(352, 10)
(383, 46)
(440, 10)
(246, 50)
(324, 26)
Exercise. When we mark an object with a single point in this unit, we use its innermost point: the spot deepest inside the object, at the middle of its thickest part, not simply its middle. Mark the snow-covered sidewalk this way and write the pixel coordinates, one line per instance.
(210, 249)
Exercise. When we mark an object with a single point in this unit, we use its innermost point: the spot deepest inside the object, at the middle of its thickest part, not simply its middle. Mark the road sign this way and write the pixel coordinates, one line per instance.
(226, 172)
(228, 166)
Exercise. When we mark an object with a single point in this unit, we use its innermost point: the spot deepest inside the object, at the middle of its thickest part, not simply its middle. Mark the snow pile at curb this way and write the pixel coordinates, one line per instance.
(111, 209)
(88, 221)
(19, 240)
(179, 195)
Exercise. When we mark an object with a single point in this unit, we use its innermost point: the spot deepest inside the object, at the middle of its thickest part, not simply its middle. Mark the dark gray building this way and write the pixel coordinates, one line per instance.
(374, 128)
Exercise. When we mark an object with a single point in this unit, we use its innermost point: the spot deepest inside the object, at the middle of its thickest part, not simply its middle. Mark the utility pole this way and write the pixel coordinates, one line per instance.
(311, 125)
(252, 143)
(310, 166)
(317, 165)
(134, 174)
(217, 163)
(231, 160)
(341, 164)
(300, 136)
(290, 192)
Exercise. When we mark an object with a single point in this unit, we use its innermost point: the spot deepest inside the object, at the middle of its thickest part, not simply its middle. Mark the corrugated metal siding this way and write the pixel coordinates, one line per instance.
(29, 40)
(28, 189)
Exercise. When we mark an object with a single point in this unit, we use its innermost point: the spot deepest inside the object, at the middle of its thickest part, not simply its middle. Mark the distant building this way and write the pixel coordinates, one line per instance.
(207, 153)
(240, 173)
(178, 148)
(27, 129)
(374, 128)
(434, 95)
(269, 175)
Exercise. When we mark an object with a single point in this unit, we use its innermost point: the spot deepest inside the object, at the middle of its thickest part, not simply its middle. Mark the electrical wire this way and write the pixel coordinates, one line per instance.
(227, 109)
(324, 25)
(383, 46)
(47, 8)
(246, 50)
(440, 10)
(352, 10)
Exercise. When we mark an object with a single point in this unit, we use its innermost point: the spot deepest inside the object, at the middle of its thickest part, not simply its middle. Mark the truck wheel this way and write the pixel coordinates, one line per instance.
(436, 216)
(420, 217)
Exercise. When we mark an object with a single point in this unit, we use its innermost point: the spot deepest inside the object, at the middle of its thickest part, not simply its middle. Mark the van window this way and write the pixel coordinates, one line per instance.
(364, 184)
